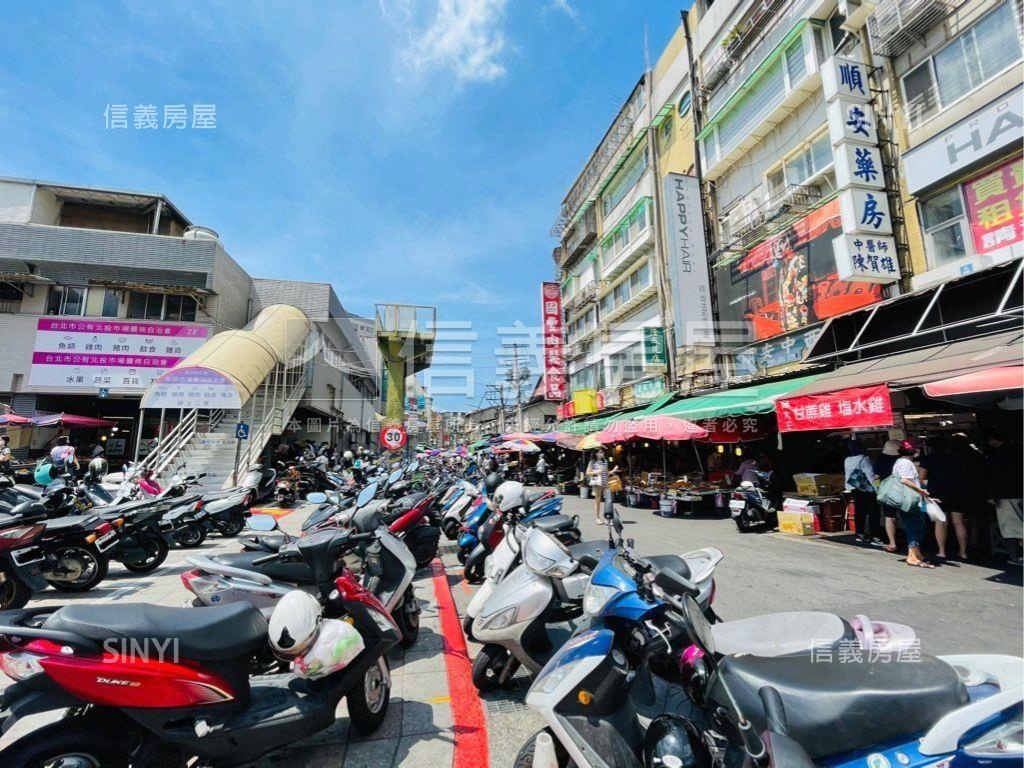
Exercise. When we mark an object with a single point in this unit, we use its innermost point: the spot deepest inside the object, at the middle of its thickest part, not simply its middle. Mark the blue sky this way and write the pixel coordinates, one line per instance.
(404, 150)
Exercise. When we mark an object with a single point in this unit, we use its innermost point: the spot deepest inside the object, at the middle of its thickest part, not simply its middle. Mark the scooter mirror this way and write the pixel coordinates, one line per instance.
(261, 523)
(394, 477)
(316, 498)
(334, 497)
(413, 467)
(366, 495)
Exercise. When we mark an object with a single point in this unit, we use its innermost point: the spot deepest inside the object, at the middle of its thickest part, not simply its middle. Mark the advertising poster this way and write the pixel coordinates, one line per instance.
(125, 355)
(790, 281)
(994, 207)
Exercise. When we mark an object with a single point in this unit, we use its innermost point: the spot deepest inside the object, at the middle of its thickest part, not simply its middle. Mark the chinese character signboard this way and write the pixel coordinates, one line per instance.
(654, 347)
(845, 78)
(192, 387)
(858, 165)
(867, 258)
(688, 261)
(646, 391)
(736, 429)
(769, 356)
(554, 351)
(865, 210)
(994, 207)
(852, 121)
(122, 355)
(859, 407)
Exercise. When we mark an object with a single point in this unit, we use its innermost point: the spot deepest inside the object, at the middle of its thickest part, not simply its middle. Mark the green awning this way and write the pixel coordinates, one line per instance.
(759, 398)
(657, 403)
(598, 423)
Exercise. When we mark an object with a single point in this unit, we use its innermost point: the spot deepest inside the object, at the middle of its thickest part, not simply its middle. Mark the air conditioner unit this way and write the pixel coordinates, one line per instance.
(856, 13)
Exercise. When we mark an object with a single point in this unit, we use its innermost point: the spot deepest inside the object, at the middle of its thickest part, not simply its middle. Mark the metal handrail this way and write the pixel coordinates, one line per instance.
(174, 442)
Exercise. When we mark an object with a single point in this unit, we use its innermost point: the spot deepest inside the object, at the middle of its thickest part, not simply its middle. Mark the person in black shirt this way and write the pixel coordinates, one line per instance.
(1005, 490)
(883, 468)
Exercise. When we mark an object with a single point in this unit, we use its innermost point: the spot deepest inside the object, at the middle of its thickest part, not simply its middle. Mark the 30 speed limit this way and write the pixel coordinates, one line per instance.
(392, 437)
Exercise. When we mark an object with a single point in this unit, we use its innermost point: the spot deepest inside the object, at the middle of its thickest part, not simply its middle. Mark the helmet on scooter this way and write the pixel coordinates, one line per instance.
(491, 483)
(295, 624)
(347, 455)
(98, 468)
(509, 495)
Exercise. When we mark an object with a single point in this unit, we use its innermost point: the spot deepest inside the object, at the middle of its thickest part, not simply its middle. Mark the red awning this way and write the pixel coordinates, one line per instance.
(14, 419)
(998, 379)
(70, 420)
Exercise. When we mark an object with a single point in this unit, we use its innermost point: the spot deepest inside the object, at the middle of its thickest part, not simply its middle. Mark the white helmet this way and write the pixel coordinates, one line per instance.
(508, 495)
(295, 624)
(746, 484)
(347, 455)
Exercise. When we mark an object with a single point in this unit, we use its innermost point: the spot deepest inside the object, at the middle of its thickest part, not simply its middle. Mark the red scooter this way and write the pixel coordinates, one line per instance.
(150, 685)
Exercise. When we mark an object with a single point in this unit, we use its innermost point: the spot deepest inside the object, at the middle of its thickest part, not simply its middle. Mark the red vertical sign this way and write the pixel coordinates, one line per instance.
(994, 207)
(554, 351)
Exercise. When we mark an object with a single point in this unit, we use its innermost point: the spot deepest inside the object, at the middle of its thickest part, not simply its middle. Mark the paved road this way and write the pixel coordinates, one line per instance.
(955, 609)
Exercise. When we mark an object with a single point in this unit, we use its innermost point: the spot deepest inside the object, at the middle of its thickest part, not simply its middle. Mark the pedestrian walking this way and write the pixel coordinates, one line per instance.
(914, 518)
(945, 478)
(1006, 459)
(597, 476)
(883, 468)
(860, 484)
(542, 470)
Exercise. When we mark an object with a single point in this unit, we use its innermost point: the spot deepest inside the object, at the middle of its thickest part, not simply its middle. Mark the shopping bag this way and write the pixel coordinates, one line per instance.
(934, 511)
(337, 644)
(894, 493)
(614, 484)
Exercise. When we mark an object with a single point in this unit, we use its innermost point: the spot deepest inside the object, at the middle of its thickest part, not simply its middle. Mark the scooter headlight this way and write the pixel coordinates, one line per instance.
(596, 598)
(1005, 740)
(547, 683)
(501, 619)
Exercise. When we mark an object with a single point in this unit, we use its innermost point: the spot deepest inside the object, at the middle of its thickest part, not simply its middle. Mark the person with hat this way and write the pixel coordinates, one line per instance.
(883, 468)
(860, 484)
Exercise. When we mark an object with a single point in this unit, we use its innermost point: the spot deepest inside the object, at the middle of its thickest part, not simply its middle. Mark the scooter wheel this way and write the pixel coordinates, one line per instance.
(742, 523)
(461, 555)
(467, 627)
(488, 666)
(156, 552)
(407, 617)
(450, 529)
(232, 527)
(14, 593)
(192, 535)
(369, 697)
(525, 757)
(94, 568)
(66, 742)
(474, 572)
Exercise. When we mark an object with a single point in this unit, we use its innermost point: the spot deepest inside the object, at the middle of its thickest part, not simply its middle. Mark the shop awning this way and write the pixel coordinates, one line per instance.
(923, 366)
(658, 404)
(972, 306)
(70, 420)
(998, 379)
(18, 271)
(740, 401)
(598, 423)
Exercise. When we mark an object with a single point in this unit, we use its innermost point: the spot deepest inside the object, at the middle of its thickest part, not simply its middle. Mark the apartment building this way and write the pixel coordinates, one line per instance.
(953, 70)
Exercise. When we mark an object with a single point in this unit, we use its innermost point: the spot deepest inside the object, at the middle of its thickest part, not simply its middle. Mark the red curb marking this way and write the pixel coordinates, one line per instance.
(467, 711)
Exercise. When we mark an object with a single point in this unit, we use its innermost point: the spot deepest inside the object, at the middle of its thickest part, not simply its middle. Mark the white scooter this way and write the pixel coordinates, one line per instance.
(513, 623)
(457, 509)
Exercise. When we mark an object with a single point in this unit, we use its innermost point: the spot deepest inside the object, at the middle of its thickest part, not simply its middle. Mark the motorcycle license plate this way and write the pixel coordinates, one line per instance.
(200, 515)
(27, 555)
(737, 504)
(106, 541)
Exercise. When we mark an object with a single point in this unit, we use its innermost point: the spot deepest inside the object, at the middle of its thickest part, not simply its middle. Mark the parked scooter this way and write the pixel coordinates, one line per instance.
(262, 579)
(752, 506)
(202, 702)
(20, 560)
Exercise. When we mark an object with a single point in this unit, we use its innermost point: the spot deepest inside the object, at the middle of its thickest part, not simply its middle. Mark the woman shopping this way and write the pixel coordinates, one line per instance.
(912, 513)
(597, 476)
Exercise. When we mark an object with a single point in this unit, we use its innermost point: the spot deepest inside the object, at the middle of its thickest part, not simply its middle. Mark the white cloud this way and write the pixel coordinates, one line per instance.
(464, 36)
(564, 7)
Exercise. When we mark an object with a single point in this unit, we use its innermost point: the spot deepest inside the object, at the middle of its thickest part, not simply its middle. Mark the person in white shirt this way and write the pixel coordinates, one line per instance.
(913, 519)
(860, 484)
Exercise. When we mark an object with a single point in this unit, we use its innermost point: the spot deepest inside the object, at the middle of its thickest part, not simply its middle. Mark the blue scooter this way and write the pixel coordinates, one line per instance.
(544, 504)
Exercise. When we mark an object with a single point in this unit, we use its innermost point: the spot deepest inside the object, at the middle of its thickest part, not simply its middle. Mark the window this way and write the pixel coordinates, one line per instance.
(159, 306)
(626, 231)
(835, 28)
(66, 300)
(589, 377)
(685, 103)
(983, 51)
(627, 365)
(796, 62)
(776, 179)
(111, 303)
(634, 170)
(810, 161)
(627, 289)
(944, 225)
(180, 308)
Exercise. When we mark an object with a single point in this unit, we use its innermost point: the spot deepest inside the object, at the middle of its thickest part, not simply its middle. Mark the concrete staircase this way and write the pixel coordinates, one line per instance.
(213, 453)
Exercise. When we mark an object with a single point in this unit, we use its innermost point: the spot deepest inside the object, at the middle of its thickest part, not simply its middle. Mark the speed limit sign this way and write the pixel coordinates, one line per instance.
(392, 437)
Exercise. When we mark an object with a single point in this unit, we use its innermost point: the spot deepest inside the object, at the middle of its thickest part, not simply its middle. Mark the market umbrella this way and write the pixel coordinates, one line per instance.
(588, 443)
(520, 446)
(568, 441)
(13, 419)
(518, 436)
(70, 420)
(659, 428)
(549, 437)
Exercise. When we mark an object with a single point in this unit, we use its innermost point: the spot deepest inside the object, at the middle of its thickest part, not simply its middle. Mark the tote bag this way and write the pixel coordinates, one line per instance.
(894, 493)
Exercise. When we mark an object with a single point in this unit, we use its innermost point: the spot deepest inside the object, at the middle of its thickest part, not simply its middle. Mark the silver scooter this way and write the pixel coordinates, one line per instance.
(513, 625)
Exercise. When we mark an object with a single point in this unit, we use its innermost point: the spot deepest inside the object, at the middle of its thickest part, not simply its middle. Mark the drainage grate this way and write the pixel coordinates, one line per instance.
(504, 703)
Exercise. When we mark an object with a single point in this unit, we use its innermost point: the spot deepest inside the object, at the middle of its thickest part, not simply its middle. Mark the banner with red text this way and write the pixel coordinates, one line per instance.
(858, 407)
(554, 351)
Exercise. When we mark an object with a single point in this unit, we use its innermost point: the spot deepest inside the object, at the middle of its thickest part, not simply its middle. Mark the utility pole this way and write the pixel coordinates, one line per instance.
(517, 375)
(495, 395)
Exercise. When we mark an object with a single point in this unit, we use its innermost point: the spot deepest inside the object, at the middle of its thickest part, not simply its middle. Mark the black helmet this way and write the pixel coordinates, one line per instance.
(491, 483)
(98, 467)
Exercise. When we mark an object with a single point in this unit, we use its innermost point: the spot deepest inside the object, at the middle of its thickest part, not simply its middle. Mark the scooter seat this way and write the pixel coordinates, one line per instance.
(553, 523)
(224, 504)
(846, 704)
(292, 572)
(781, 634)
(60, 523)
(588, 553)
(217, 633)
(217, 495)
(264, 542)
(672, 563)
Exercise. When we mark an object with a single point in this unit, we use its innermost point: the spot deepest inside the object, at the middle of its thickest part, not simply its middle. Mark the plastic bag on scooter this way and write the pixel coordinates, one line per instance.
(337, 644)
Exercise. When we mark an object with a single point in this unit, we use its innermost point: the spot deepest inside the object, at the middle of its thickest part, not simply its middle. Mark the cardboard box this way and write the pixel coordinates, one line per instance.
(819, 484)
(797, 523)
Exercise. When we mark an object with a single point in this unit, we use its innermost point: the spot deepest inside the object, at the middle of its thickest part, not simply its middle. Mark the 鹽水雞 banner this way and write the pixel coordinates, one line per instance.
(859, 407)
(554, 352)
